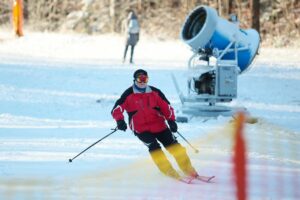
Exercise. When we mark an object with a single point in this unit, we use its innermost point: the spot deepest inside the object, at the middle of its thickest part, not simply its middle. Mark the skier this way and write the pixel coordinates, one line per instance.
(148, 110)
(132, 34)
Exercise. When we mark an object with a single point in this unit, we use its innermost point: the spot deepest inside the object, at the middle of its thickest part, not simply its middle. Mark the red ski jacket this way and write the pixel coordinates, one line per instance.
(146, 111)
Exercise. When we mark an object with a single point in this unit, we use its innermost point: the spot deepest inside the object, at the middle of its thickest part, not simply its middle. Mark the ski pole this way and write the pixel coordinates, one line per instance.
(196, 150)
(114, 130)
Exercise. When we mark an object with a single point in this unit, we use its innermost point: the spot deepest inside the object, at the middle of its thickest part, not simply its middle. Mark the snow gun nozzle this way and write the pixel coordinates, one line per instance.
(70, 160)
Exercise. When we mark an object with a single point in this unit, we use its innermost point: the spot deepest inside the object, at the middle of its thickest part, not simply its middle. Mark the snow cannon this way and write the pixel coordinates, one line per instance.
(221, 51)
(204, 29)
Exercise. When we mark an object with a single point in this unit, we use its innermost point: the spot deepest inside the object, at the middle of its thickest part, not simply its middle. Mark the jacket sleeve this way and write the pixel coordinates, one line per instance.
(165, 106)
(120, 106)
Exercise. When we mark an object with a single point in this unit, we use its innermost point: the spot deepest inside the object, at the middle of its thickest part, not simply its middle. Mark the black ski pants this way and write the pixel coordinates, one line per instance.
(151, 140)
(131, 53)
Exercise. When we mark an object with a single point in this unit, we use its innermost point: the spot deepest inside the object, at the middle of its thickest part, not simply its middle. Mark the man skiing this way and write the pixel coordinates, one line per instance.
(148, 110)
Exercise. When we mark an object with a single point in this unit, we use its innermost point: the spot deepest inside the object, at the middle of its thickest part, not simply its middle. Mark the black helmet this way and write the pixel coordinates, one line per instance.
(139, 72)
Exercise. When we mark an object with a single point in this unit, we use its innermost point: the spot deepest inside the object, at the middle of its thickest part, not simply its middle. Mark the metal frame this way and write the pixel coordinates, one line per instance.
(206, 104)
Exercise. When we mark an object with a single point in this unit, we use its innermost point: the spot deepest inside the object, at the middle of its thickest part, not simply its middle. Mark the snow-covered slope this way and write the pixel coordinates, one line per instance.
(56, 94)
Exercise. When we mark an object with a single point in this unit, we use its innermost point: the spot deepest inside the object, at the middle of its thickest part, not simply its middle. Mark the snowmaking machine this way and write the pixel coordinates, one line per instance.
(221, 51)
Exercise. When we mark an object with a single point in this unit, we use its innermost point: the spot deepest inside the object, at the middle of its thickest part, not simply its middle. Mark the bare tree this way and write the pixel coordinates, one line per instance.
(255, 14)
(25, 9)
(112, 14)
(230, 6)
(271, 18)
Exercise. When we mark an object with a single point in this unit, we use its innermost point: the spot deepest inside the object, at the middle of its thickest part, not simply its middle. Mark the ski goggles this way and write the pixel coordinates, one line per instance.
(142, 78)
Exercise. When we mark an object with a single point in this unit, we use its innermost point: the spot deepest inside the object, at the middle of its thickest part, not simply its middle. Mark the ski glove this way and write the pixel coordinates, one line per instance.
(173, 126)
(121, 125)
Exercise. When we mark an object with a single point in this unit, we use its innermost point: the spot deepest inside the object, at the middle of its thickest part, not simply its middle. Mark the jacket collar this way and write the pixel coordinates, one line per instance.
(136, 90)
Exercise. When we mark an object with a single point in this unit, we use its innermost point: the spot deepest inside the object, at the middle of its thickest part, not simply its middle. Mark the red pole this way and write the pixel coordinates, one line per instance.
(239, 159)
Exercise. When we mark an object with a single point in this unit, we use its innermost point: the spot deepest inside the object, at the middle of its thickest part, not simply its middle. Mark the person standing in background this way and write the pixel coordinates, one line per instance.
(132, 34)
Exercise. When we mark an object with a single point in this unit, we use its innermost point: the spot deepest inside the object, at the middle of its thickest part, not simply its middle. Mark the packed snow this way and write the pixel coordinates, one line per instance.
(56, 94)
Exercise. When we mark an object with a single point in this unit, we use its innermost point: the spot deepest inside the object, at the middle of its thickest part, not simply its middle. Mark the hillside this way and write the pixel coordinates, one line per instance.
(279, 20)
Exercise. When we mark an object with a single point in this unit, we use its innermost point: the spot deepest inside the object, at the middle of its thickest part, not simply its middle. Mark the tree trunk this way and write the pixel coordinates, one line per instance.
(255, 15)
(230, 7)
(112, 14)
(239, 9)
(220, 8)
(25, 9)
(139, 6)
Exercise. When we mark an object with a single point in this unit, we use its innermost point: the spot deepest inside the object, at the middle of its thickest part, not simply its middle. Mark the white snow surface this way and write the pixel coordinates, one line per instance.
(56, 94)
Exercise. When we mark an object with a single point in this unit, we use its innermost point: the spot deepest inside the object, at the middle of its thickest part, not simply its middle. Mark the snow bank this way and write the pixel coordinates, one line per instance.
(107, 48)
